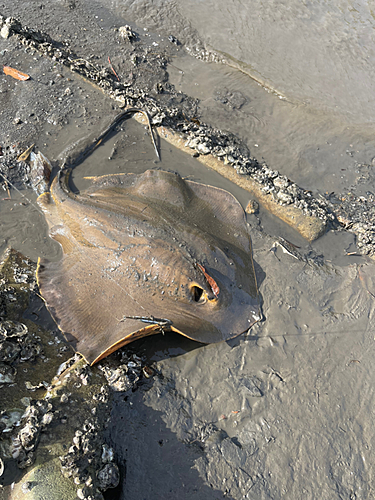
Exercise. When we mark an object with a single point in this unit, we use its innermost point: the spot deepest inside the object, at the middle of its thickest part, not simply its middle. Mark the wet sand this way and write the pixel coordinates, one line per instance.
(282, 412)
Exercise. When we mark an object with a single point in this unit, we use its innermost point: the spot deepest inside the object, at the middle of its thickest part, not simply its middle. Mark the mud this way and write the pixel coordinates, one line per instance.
(284, 411)
(275, 191)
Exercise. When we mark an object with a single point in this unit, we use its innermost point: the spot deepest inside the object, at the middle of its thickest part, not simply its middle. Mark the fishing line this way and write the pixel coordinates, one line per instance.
(146, 319)
(90, 150)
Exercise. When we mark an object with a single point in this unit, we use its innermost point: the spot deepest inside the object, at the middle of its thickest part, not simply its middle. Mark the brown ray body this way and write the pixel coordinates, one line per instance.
(143, 253)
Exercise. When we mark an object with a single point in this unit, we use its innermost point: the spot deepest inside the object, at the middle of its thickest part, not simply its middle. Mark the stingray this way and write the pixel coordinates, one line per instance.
(143, 254)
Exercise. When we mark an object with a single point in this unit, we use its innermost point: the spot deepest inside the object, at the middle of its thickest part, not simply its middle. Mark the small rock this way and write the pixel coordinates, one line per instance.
(284, 197)
(12, 329)
(147, 372)
(193, 143)
(5, 31)
(292, 189)
(281, 182)
(109, 476)
(9, 351)
(126, 33)
(47, 418)
(7, 374)
(204, 149)
(107, 454)
(220, 153)
(64, 398)
(252, 207)
(82, 493)
(173, 39)
(28, 436)
(26, 487)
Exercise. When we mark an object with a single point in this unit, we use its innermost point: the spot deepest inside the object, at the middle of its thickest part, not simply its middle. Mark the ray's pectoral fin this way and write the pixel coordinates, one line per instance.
(138, 334)
(49, 278)
(86, 307)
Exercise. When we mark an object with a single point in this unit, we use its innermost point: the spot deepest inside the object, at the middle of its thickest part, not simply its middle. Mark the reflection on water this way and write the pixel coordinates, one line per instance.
(319, 58)
(318, 52)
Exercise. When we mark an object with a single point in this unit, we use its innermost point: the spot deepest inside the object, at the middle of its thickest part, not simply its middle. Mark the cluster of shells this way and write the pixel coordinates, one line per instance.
(200, 52)
(37, 417)
(125, 375)
(206, 140)
(103, 77)
(89, 461)
(16, 346)
(85, 454)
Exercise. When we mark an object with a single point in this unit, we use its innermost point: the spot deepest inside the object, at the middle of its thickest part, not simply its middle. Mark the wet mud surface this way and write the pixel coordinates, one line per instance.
(284, 411)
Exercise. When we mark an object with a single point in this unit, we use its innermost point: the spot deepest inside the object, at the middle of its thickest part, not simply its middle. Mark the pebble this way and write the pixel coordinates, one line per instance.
(107, 454)
(7, 374)
(204, 149)
(126, 33)
(252, 207)
(5, 31)
(26, 487)
(109, 476)
(284, 197)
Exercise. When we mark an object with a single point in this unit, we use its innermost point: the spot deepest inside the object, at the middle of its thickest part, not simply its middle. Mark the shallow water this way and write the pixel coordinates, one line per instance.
(303, 100)
(294, 398)
(313, 52)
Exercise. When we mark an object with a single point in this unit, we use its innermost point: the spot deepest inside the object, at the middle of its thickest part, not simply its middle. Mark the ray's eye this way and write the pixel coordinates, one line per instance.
(197, 294)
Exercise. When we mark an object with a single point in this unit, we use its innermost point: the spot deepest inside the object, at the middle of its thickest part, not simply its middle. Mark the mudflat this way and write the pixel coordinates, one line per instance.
(284, 411)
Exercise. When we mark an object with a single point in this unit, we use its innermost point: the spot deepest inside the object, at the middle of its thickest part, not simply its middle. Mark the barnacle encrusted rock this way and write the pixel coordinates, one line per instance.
(54, 407)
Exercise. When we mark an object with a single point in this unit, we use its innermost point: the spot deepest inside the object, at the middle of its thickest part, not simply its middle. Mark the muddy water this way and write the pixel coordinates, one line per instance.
(311, 52)
(287, 410)
(303, 98)
(319, 150)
